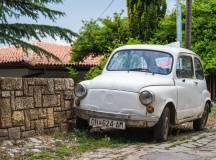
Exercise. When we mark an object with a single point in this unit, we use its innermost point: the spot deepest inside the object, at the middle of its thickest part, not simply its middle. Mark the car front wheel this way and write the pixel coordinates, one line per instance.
(161, 130)
(199, 124)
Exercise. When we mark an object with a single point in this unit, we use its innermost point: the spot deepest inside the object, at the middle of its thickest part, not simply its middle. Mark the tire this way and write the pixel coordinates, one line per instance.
(199, 124)
(161, 130)
(81, 124)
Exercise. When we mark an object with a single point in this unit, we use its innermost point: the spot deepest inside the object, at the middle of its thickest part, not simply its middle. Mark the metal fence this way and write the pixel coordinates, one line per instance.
(211, 83)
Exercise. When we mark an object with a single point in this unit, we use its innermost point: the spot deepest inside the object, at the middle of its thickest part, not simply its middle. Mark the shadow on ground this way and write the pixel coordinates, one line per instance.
(136, 135)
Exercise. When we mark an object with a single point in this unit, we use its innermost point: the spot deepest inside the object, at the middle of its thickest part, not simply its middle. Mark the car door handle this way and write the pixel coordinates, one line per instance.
(196, 83)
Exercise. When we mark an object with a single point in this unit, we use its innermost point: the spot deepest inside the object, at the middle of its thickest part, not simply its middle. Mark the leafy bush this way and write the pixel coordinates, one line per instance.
(73, 73)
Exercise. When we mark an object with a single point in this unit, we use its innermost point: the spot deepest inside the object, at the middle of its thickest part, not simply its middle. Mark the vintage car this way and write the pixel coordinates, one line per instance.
(145, 86)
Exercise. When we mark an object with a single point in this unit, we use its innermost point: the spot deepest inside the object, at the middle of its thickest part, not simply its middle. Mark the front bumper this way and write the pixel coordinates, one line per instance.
(129, 119)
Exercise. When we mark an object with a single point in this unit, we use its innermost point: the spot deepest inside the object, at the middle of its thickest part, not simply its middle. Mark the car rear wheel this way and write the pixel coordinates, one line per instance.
(199, 124)
(161, 130)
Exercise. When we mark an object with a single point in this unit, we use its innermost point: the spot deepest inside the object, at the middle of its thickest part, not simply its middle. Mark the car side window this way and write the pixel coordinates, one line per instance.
(184, 68)
(198, 69)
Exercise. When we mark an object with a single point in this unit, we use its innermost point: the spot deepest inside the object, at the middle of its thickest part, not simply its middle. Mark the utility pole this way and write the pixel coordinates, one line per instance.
(179, 23)
(188, 24)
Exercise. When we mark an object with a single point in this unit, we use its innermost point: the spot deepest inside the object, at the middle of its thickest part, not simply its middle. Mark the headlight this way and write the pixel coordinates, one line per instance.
(146, 97)
(80, 91)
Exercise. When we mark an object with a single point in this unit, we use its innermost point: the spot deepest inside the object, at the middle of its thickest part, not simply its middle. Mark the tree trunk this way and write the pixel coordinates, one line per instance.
(188, 24)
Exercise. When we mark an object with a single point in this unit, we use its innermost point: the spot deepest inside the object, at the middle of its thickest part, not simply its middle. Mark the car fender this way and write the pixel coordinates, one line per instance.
(206, 97)
(162, 96)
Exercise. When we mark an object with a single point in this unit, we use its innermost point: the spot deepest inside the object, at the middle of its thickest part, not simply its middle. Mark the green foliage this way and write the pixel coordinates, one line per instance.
(19, 34)
(73, 73)
(99, 37)
(166, 32)
(144, 17)
(97, 70)
(203, 32)
(60, 152)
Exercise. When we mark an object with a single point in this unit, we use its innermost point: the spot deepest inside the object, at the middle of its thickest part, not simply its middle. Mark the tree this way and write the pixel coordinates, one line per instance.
(144, 17)
(99, 37)
(19, 34)
(203, 32)
(188, 24)
(166, 31)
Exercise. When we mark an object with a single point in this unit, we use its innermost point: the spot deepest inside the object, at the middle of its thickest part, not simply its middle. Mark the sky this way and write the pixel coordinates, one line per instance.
(79, 10)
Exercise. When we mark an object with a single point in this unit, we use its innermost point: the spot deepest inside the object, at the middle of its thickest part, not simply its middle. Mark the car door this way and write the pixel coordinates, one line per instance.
(200, 83)
(185, 84)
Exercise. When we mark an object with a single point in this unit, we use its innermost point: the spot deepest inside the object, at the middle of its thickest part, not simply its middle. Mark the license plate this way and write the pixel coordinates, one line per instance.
(106, 123)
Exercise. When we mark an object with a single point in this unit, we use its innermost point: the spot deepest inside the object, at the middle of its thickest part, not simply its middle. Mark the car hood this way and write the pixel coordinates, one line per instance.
(128, 81)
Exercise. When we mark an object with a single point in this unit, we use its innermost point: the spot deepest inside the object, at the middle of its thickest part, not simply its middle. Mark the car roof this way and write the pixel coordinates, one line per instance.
(163, 48)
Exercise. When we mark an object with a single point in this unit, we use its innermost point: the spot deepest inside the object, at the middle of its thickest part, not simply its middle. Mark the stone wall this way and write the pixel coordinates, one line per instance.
(30, 106)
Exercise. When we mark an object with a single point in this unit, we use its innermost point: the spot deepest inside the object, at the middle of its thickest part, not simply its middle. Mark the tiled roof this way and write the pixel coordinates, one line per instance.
(11, 55)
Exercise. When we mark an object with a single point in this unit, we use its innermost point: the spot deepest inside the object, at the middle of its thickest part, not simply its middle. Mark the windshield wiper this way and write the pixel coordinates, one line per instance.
(139, 69)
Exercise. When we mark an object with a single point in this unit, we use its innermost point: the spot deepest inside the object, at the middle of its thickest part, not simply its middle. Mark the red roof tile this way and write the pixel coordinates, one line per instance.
(16, 55)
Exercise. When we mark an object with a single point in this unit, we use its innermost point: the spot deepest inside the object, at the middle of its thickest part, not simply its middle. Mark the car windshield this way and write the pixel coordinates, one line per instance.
(141, 60)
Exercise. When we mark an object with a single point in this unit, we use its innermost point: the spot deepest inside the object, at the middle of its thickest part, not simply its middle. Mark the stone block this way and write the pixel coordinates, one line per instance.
(57, 109)
(50, 117)
(13, 107)
(42, 113)
(49, 88)
(27, 134)
(60, 117)
(39, 125)
(38, 96)
(45, 123)
(40, 81)
(14, 133)
(18, 118)
(22, 128)
(11, 83)
(59, 84)
(5, 94)
(27, 119)
(27, 86)
(68, 95)
(51, 100)
(24, 103)
(69, 84)
(5, 122)
(3, 133)
(5, 108)
(32, 125)
(18, 93)
(30, 90)
(34, 114)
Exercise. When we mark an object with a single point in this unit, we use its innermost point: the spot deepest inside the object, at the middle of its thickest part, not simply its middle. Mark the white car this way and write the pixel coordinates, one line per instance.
(145, 86)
